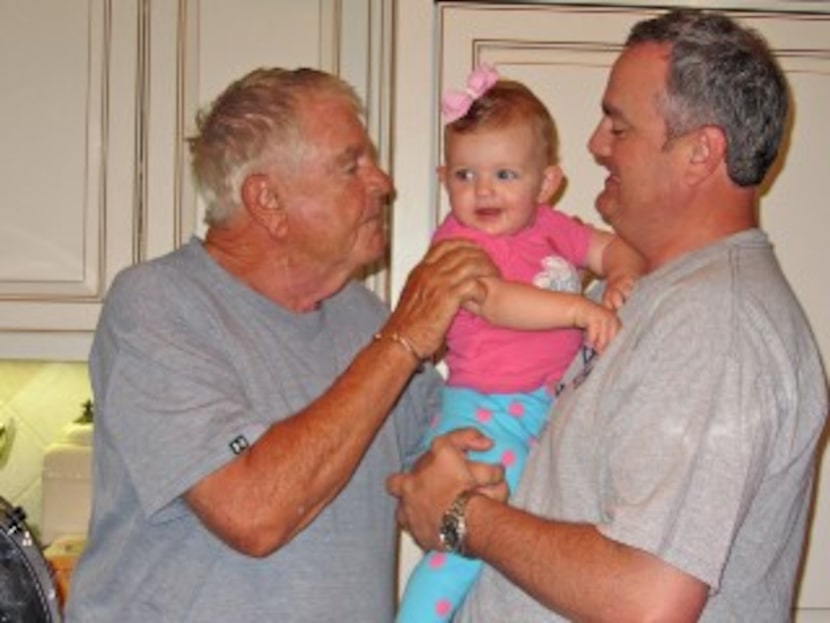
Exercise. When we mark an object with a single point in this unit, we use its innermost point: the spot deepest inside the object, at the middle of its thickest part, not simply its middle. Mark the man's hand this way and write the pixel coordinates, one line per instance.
(437, 478)
(449, 276)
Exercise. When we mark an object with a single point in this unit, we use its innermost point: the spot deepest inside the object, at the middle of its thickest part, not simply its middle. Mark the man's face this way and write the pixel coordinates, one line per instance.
(630, 142)
(337, 198)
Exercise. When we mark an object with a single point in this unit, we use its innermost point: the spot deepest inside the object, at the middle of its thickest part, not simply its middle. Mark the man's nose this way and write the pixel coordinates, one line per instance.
(598, 143)
(379, 181)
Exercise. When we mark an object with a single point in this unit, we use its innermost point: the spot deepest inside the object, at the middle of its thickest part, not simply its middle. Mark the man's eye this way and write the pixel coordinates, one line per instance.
(506, 174)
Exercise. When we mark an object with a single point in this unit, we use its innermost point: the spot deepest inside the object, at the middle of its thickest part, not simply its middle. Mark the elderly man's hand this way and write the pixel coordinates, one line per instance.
(438, 477)
(448, 276)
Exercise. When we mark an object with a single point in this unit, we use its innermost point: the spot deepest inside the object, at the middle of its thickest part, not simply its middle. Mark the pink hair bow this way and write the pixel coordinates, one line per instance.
(455, 104)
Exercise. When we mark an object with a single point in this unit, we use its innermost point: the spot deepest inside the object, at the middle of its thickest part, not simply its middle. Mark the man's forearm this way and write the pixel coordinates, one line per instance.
(264, 498)
(574, 570)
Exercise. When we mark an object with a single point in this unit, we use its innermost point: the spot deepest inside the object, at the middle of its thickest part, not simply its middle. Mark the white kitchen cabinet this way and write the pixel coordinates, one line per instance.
(563, 51)
(67, 122)
(99, 96)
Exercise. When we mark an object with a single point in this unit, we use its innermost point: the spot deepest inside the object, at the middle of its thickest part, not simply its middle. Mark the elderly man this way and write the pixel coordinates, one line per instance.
(251, 398)
(673, 483)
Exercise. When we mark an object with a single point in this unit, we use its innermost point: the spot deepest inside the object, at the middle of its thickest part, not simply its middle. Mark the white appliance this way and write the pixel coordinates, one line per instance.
(66, 485)
(67, 497)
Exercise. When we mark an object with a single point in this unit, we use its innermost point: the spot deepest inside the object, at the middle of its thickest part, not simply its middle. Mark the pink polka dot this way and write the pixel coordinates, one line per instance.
(443, 607)
(483, 415)
(437, 560)
(516, 409)
(508, 458)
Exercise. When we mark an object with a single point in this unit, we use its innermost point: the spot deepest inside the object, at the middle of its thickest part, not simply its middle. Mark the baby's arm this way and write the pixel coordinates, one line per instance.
(618, 263)
(525, 307)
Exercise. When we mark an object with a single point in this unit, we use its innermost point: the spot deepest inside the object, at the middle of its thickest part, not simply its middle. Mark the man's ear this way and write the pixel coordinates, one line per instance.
(708, 152)
(262, 203)
(551, 181)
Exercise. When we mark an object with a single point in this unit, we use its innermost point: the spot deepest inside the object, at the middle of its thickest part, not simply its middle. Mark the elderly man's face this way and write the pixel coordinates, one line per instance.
(336, 202)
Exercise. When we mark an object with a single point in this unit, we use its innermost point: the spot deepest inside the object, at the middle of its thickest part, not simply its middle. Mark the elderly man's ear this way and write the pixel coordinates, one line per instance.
(262, 203)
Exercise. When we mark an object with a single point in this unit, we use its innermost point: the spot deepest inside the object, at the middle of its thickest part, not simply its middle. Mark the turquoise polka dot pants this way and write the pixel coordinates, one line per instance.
(440, 581)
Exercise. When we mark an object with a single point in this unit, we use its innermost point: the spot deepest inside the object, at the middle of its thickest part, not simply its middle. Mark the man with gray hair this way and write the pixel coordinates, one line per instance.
(251, 397)
(673, 482)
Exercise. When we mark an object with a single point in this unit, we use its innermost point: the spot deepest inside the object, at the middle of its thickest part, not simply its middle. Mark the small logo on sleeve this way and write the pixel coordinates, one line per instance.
(239, 444)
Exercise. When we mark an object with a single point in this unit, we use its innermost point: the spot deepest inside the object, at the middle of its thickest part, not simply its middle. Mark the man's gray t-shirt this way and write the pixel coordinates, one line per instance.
(189, 367)
(692, 437)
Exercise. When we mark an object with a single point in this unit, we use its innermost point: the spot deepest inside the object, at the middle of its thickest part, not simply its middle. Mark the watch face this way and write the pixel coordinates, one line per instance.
(449, 533)
(448, 539)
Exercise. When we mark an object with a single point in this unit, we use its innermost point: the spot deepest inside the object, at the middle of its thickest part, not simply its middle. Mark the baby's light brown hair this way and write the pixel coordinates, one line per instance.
(508, 102)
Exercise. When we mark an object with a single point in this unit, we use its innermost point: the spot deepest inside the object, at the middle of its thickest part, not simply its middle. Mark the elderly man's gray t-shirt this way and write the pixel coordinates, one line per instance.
(190, 367)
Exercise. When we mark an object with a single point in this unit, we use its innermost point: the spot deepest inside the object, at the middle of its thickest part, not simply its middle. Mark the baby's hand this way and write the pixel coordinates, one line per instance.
(600, 324)
(617, 291)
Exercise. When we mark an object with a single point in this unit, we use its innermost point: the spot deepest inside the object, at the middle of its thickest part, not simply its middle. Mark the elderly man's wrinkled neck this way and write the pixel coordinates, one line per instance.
(249, 254)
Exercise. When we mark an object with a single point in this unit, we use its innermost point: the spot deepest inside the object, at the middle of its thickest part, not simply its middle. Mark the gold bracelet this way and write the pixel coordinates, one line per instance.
(403, 341)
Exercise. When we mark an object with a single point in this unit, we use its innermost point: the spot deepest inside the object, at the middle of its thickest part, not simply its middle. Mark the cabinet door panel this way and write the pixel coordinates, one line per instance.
(66, 113)
(45, 115)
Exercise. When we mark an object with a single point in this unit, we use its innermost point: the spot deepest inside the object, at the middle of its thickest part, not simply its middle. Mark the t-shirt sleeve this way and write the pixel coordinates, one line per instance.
(568, 235)
(680, 486)
(149, 348)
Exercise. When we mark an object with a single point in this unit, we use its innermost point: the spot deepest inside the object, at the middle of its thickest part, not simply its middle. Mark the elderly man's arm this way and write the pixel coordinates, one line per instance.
(262, 499)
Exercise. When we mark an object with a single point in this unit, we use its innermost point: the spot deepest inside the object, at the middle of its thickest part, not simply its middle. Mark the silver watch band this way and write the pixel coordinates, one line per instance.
(453, 530)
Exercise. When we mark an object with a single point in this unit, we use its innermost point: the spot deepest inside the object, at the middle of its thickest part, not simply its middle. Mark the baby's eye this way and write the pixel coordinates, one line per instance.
(506, 174)
(464, 175)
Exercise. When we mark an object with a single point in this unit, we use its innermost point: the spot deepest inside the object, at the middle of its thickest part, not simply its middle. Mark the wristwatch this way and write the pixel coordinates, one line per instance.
(453, 528)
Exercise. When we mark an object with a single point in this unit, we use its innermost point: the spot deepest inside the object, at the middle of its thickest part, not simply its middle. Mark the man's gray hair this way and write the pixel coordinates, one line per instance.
(724, 75)
(255, 124)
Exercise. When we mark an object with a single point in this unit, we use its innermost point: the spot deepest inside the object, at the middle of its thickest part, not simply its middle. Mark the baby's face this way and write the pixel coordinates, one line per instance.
(496, 178)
